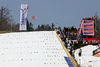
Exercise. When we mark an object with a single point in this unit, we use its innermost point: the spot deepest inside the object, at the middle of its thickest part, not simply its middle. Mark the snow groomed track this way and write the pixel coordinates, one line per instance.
(32, 49)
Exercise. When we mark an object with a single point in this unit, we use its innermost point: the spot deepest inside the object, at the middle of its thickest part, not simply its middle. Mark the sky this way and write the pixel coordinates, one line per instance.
(60, 12)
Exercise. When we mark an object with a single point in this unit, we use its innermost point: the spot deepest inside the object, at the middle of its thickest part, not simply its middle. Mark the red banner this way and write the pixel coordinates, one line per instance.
(92, 40)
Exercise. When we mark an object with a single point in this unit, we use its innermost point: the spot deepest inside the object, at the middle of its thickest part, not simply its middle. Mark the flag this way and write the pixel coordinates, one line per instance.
(33, 17)
(23, 16)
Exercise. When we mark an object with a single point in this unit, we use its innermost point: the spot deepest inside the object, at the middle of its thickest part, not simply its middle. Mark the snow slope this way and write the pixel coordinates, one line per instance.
(87, 59)
(31, 49)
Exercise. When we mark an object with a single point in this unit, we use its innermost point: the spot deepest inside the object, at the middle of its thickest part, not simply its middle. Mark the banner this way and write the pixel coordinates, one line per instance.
(88, 27)
(23, 16)
(89, 40)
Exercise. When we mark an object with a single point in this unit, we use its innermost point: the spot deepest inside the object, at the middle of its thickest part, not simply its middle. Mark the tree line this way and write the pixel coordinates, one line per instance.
(7, 24)
(43, 27)
(97, 27)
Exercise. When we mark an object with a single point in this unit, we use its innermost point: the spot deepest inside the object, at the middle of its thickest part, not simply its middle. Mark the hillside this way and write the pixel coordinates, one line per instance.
(31, 49)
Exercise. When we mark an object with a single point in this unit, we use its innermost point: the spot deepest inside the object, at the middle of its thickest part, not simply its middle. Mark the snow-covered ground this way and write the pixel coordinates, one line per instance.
(87, 59)
(31, 49)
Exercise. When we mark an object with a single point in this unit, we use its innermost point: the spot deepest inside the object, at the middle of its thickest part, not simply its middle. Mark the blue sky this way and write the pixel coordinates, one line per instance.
(61, 12)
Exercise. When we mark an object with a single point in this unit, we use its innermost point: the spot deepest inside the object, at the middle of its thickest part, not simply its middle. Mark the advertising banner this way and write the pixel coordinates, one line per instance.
(23, 16)
(88, 27)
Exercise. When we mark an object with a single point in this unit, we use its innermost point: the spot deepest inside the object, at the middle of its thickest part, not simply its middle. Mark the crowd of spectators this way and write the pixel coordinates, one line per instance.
(69, 37)
(71, 41)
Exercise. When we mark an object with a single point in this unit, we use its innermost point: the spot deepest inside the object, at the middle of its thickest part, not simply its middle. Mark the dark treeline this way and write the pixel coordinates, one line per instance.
(45, 27)
(97, 27)
(7, 23)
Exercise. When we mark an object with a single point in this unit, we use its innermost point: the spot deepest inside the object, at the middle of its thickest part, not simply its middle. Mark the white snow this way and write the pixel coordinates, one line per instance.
(31, 49)
(87, 59)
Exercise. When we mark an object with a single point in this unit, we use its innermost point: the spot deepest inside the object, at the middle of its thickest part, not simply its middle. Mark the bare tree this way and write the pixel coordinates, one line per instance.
(5, 19)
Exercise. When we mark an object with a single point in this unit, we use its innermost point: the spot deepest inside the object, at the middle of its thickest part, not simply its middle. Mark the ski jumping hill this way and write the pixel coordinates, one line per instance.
(32, 49)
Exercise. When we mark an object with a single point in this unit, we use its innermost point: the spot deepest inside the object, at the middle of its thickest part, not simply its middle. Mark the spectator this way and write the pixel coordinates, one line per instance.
(73, 54)
(80, 52)
(71, 51)
(66, 44)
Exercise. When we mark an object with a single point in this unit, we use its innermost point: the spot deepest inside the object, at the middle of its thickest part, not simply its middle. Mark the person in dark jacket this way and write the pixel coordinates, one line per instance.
(80, 52)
